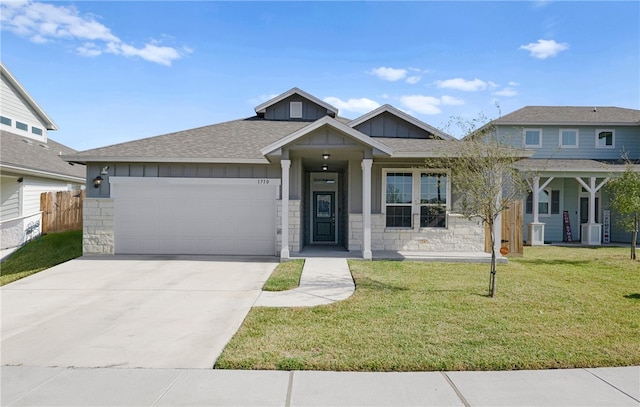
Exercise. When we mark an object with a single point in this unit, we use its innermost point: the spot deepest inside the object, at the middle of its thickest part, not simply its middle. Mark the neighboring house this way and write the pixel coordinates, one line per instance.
(293, 175)
(30, 163)
(577, 151)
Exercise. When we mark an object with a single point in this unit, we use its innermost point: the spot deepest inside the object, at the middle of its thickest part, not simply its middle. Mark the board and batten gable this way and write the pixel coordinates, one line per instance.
(389, 125)
(282, 110)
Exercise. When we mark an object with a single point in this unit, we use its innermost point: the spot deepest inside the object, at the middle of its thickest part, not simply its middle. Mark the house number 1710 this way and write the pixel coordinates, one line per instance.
(263, 181)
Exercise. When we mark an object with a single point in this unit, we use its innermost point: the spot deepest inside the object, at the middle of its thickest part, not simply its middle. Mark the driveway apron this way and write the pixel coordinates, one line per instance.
(130, 311)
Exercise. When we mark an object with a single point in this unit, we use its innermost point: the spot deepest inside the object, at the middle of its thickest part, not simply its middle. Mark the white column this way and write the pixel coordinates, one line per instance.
(366, 208)
(535, 229)
(591, 231)
(535, 191)
(284, 252)
(592, 200)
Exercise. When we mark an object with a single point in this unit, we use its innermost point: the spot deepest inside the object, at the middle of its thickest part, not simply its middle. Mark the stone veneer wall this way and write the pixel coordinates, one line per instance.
(295, 223)
(460, 235)
(97, 227)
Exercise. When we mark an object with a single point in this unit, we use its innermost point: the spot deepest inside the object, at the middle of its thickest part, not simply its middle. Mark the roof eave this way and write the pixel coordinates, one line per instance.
(43, 174)
(188, 160)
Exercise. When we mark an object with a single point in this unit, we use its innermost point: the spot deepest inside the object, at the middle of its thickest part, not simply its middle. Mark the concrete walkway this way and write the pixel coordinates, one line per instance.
(323, 281)
(40, 386)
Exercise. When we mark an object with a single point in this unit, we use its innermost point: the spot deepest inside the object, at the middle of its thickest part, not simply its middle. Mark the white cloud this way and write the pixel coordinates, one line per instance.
(512, 83)
(507, 92)
(544, 49)
(412, 80)
(89, 49)
(421, 104)
(389, 74)
(463, 84)
(362, 105)
(43, 23)
(451, 100)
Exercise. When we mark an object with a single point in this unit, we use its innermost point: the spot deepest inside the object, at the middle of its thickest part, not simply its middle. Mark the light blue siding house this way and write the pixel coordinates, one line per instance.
(577, 150)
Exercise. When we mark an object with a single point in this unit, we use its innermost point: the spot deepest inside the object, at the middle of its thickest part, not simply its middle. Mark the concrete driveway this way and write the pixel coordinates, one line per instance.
(129, 311)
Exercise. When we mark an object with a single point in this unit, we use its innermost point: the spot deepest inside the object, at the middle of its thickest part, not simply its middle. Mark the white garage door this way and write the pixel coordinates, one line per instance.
(194, 216)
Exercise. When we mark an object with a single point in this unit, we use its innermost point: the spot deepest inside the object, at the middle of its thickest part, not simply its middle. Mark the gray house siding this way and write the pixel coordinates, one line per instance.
(388, 125)
(173, 170)
(281, 110)
(626, 139)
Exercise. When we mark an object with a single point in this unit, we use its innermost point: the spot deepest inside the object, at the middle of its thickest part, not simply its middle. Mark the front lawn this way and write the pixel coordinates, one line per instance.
(286, 276)
(40, 254)
(555, 308)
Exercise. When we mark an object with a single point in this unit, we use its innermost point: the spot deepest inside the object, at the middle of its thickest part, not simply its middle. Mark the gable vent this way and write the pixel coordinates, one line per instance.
(295, 110)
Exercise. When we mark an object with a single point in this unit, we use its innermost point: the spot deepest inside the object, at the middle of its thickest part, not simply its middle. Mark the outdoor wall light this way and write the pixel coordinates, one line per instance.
(97, 181)
(325, 167)
(326, 156)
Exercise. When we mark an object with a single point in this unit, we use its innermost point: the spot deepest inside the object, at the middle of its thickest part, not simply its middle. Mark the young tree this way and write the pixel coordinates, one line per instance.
(484, 178)
(625, 202)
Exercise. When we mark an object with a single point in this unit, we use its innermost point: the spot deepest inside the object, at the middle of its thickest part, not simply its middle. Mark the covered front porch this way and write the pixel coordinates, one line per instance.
(326, 186)
(567, 193)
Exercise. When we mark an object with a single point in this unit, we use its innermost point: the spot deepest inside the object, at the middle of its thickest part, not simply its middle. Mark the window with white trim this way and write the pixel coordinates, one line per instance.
(532, 138)
(422, 192)
(605, 138)
(548, 202)
(568, 138)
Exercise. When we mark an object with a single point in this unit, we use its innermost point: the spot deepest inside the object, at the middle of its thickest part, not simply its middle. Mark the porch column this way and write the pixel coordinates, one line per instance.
(284, 252)
(591, 231)
(366, 208)
(535, 230)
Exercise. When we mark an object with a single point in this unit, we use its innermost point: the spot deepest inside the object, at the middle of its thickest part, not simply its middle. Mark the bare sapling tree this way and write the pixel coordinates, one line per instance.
(625, 201)
(484, 178)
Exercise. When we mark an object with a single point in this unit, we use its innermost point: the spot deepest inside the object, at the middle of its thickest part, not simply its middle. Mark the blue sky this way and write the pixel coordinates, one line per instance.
(108, 72)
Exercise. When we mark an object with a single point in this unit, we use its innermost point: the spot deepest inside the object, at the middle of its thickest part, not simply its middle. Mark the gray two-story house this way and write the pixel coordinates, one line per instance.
(577, 150)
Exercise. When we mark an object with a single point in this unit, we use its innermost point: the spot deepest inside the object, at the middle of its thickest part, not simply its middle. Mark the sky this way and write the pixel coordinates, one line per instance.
(107, 72)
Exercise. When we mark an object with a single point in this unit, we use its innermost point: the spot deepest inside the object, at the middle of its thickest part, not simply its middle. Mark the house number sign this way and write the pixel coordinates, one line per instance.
(263, 181)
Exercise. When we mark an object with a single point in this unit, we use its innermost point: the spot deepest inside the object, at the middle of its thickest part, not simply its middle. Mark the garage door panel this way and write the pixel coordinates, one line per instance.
(178, 217)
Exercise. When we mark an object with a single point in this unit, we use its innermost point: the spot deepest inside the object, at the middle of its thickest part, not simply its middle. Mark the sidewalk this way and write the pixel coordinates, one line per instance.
(323, 281)
(38, 386)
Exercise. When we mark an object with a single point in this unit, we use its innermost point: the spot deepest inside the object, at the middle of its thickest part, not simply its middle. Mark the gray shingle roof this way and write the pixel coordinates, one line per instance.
(573, 165)
(573, 115)
(231, 141)
(423, 147)
(30, 154)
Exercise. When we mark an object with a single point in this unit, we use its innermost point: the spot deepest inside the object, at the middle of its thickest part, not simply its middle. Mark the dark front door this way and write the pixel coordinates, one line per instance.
(324, 217)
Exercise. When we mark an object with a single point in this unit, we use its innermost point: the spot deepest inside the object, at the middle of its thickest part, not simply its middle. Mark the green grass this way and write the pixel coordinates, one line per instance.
(286, 276)
(40, 254)
(555, 308)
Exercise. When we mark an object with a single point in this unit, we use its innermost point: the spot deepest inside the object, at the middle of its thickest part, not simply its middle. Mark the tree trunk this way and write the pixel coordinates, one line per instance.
(492, 277)
(634, 237)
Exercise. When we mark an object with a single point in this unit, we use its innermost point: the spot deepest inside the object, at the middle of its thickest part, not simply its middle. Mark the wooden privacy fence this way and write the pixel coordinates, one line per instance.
(61, 210)
(511, 230)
